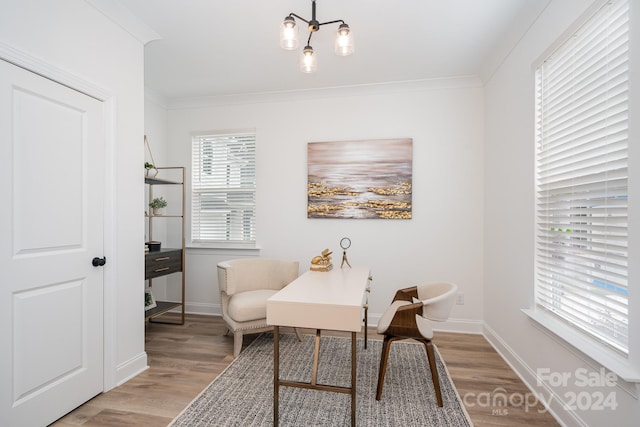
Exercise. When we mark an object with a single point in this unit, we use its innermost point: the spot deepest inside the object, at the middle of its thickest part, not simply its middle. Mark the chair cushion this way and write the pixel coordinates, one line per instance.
(438, 300)
(424, 326)
(387, 317)
(249, 305)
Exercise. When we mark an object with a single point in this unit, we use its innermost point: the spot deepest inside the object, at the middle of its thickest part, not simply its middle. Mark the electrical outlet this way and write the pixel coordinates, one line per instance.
(460, 298)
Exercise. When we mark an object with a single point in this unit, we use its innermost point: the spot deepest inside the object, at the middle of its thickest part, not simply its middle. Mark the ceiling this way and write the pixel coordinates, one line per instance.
(215, 47)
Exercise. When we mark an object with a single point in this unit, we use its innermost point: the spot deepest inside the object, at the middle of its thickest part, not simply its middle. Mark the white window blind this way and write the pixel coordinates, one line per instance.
(581, 153)
(223, 188)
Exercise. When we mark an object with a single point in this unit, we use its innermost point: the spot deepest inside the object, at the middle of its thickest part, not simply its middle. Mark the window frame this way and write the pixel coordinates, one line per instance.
(621, 363)
(244, 186)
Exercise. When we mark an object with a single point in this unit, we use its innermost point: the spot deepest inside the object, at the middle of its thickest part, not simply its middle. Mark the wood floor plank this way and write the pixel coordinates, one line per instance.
(184, 359)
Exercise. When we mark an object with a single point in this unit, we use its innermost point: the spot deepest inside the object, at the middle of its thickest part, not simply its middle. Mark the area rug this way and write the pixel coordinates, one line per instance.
(243, 394)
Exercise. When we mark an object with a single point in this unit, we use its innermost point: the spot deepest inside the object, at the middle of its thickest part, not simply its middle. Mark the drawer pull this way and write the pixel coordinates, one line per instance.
(160, 269)
(162, 259)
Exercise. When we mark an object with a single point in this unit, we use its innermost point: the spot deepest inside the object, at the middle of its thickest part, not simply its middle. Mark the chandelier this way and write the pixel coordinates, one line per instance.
(343, 44)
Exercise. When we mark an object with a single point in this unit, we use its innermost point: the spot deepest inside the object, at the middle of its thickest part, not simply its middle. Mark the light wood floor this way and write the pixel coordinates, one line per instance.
(184, 359)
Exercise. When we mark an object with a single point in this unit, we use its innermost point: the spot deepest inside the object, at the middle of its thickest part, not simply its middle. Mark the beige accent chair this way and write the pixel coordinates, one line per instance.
(245, 285)
(409, 317)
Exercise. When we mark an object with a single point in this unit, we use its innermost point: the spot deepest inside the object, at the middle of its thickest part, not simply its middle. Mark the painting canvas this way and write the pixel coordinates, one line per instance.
(360, 179)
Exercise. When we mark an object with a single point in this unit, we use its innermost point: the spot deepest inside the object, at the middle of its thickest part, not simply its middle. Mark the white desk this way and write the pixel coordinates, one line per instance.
(319, 300)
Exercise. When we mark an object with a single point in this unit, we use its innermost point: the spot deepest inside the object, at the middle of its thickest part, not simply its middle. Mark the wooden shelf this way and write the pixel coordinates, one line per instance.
(159, 181)
(160, 308)
(168, 260)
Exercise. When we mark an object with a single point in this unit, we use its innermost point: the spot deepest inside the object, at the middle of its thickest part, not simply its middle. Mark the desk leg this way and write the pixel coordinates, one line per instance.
(353, 379)
(316, 357)
(276, 373)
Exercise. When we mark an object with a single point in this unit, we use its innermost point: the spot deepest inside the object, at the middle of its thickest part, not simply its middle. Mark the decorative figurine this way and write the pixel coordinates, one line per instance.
(322, 262)
(345, 243)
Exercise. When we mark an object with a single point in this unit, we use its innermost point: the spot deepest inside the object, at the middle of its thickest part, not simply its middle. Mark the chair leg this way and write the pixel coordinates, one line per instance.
(237, 343)
(431, 356)
(297, 331)
(386, 345)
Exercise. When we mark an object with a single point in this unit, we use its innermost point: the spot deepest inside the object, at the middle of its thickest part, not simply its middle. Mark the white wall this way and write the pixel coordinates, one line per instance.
(443, 241)
(155, 128)
(75, 38)
(509, 230)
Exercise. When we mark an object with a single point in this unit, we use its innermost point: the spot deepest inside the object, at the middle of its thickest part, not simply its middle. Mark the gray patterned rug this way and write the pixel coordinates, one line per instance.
(243, 394)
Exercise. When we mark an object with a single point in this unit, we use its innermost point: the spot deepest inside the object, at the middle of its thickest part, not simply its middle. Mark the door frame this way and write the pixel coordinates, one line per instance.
(49, 71)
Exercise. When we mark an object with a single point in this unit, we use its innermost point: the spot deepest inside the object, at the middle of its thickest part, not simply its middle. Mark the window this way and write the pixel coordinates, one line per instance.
(581, 171)
(223, 189)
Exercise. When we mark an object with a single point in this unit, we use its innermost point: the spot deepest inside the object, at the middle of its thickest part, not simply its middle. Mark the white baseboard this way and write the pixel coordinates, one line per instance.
(460, 326)
(131, 368)
(203, 308)
(547, 396)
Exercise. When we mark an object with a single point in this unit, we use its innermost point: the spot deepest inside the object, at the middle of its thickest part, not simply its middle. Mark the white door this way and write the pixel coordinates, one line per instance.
(51, 227)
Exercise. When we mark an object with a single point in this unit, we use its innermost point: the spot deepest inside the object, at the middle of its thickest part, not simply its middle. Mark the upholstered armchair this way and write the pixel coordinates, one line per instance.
(410, 316)
(245, 285)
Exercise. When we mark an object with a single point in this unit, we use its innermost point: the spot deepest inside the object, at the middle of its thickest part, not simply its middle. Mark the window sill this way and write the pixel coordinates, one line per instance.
(617, 364)
(216, 248)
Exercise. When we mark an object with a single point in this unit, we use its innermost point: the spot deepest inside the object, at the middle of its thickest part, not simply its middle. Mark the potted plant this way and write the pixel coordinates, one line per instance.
(148, 167)
(157, 205)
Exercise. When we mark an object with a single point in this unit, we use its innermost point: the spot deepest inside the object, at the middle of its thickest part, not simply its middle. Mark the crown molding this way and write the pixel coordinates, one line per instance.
(328, 92)
(156, 97)
(512, 37)
(123, 17)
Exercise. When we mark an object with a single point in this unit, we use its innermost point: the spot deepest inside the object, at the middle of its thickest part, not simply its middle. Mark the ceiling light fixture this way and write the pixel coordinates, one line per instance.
(343, 45)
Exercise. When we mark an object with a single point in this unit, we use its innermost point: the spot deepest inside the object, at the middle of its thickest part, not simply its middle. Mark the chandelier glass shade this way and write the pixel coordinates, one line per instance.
(289, 34)
(343, 45)
(308, 60)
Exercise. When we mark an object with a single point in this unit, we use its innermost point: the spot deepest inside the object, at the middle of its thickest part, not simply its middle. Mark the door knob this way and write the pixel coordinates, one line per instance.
(99, 262)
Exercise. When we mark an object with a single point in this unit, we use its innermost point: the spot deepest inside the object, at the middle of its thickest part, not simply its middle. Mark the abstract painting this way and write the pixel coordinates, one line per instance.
(360, 179)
